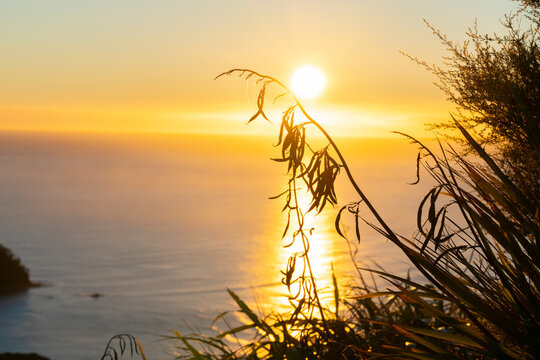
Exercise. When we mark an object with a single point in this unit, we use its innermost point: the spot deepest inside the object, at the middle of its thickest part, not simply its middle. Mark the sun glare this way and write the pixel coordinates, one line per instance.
(307, 82)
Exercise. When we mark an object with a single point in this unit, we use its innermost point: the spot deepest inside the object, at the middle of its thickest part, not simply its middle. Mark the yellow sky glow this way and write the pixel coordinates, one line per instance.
(134, 66)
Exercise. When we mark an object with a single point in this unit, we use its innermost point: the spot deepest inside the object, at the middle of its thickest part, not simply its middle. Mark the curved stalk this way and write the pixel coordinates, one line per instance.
(306, 250)
(381, 221)
(390, 234)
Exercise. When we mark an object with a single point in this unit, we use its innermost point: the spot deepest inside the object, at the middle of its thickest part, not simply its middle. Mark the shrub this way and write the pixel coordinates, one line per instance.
(494, 81)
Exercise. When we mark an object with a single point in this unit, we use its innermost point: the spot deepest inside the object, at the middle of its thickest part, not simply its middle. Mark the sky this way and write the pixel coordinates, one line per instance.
(136, 66)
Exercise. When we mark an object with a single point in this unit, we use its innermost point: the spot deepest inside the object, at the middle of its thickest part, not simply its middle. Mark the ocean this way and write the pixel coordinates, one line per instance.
(161, 225)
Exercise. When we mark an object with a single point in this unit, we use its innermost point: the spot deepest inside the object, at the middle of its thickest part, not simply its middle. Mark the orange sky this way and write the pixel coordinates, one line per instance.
(148, 65)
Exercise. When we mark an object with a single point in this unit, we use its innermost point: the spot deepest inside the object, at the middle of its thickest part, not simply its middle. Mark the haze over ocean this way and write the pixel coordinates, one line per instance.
(160, 225)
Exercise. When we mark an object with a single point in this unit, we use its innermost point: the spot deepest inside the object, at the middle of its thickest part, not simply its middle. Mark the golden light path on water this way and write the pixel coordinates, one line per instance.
(326, 249)
(384, 170)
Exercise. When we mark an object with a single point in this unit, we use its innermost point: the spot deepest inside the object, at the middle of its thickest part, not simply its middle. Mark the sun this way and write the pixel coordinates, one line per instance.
(307, 82)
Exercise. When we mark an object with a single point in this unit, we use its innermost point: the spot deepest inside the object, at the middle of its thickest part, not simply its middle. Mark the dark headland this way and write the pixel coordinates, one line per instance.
(17, 356)
(14, 276)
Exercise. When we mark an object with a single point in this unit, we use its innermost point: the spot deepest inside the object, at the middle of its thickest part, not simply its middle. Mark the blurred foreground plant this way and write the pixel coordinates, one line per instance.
(123, 346)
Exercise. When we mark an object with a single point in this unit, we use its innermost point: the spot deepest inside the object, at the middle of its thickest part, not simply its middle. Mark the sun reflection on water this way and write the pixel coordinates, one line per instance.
(326, 249)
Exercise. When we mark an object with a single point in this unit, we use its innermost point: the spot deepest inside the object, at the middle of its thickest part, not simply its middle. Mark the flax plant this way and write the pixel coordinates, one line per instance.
(476, 246)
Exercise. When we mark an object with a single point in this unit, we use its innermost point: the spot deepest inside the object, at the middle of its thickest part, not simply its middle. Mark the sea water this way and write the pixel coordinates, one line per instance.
(157, 227)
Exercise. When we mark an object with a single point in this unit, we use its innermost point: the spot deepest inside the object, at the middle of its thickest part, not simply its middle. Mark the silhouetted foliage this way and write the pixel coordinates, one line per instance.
(478, 235)
(13, 275)
(476, 244)
(494, 80)
(532, 6)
